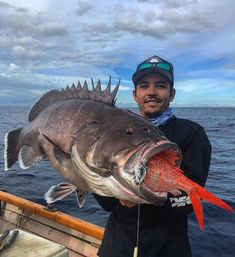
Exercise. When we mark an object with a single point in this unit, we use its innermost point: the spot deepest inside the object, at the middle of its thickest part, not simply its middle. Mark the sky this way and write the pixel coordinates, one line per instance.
(50, 44)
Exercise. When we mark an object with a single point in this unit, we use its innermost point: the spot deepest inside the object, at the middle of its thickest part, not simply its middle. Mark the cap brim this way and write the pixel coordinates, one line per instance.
(141, 73)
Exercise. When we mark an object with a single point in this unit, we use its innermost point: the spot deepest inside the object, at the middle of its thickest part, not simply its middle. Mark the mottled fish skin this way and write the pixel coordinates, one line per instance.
(94, 145)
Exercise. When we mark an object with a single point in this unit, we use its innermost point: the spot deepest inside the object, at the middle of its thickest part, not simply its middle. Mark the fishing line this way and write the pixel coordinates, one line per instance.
(135, 254)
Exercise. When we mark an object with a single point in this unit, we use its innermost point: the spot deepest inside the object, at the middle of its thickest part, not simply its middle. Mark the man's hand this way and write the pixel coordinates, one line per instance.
(127, 203)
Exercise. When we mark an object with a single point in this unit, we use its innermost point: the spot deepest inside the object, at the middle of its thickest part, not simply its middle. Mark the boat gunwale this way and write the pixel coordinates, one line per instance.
(59, 217)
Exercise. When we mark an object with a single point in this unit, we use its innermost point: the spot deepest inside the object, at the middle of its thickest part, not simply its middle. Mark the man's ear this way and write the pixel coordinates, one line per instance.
(172, 96)
(134, 93)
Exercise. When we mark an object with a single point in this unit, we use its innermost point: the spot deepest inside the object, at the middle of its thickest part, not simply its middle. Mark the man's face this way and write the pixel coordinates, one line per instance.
(153, 94)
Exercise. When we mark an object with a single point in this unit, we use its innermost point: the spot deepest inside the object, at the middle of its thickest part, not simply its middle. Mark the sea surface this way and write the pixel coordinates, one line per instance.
(218, 237)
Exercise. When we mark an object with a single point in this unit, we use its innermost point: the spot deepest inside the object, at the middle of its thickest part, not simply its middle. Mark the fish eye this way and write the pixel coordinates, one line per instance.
(94, 122)
(147, 130)
(130, 131)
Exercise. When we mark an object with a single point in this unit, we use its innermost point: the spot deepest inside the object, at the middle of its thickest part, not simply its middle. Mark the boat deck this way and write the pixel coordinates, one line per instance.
(81, 238)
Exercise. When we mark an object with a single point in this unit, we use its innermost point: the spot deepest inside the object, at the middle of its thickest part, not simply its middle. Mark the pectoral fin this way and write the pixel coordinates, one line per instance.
(28, 157)
(81, 197)
(59, 154)
(59, 192)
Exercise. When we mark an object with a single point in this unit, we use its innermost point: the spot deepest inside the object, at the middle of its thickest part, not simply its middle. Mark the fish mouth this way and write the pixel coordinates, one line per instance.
(148, 150)
(169, 149)
(139, 163)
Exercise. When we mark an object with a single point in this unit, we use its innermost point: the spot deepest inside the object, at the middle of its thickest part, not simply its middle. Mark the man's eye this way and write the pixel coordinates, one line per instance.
(161, 85)
(143, 86)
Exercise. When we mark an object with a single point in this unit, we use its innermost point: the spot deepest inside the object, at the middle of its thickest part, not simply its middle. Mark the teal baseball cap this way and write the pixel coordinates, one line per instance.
(154, 64)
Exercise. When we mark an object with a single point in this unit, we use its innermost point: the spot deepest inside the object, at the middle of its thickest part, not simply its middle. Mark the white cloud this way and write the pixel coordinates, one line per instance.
(4, 93)
(147, 20)
(50, 29)
(27, 54)
(54, 43)
(125, 88)
(170, 3)
(197, 86)
(3, 75)
(32, 5)
(13, 67)
(4, 5)
(84, 7)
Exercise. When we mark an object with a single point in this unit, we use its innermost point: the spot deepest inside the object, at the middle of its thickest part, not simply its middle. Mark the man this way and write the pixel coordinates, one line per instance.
(163, 230)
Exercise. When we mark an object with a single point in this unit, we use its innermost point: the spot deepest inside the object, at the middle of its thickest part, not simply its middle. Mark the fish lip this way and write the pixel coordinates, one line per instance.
(155, 198)
(146, 150)
(155, 148)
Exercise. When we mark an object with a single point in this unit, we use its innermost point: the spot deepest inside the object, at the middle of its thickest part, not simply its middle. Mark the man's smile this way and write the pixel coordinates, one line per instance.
(154, 101)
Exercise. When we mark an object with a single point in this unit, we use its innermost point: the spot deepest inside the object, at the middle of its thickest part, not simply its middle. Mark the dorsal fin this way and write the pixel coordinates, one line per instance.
(75, 92)
(92, 83)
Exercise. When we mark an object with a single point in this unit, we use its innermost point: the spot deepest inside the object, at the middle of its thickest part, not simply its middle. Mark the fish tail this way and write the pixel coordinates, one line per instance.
(197, 206)
(209, 197)
(199, 193)
(11, 147)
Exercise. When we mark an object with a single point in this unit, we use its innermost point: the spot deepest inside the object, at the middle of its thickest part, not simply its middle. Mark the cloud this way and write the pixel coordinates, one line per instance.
(48, 44)
(170, 3)
(49, 29)
(13, 67)
(29, 39)
(125, 88)
(155, 22)
(84, 7)
(4, 5)
(205, 85)
(23, 23)
(206, 90)
(4, 93)
(22, 10)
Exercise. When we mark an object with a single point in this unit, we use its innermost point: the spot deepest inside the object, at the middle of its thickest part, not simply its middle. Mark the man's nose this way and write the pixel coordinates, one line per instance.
(152, 90)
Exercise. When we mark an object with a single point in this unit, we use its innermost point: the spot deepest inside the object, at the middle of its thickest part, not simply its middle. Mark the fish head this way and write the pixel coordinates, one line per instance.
(122, 145)
(119, 144)
(132, 167)
(117, 132)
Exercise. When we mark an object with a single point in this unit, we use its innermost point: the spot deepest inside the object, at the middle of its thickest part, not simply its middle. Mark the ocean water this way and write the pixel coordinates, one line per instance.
(218, 237)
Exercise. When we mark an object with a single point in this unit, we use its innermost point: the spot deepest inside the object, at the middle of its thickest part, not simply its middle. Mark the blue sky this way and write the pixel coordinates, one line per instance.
(50, 44)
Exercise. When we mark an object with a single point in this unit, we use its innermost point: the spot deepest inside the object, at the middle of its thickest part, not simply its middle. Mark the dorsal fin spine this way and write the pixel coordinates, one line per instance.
(79, 85)
(98, 87)
(92, 83)
(85, 86)
(106, 92)
(114, 93)
(75, 92)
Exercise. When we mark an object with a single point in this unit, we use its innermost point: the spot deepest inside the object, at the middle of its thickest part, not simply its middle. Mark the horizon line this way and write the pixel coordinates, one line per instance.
(133, 106)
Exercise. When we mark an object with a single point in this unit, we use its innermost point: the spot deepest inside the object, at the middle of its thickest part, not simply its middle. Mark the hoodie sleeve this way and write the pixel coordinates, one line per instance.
(196, 152)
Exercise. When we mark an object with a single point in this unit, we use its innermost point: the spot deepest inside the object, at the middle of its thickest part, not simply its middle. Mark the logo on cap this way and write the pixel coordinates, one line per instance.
(154, 60)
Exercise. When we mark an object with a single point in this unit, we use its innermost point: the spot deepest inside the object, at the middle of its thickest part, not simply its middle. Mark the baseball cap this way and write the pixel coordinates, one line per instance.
(154, 64)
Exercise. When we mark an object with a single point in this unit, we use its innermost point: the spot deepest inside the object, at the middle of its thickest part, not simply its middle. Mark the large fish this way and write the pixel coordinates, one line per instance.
(102, 149)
